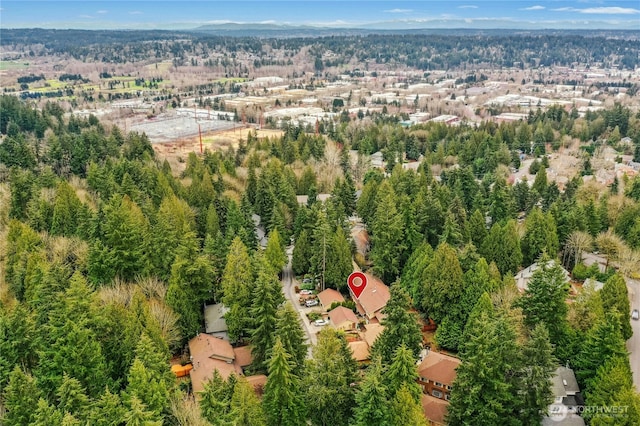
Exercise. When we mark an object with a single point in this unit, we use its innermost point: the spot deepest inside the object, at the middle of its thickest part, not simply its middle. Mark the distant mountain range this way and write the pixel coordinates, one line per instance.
(439, 26)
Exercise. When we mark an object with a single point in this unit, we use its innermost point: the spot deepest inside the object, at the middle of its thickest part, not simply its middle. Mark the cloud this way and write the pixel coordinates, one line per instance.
(136, 12)
(85, 16)
(399, 11)
(536, 7)
(600, 10)
(102, 12)
(467, 6)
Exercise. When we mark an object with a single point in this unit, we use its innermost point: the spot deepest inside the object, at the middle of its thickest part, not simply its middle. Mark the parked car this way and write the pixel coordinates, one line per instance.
(321, 322)
(306, 281)
(635, 314)
(306, 291)
(311, 302)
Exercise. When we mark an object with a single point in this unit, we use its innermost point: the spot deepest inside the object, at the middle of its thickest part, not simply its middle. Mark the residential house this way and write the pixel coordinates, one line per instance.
(209, 354)
(436, 374)
(214, 322)
(435, 410)
(567, 399)
(373, 299)
(328, 297)
(343, 319)
(371, 333)
(360, 351)
(523, 277)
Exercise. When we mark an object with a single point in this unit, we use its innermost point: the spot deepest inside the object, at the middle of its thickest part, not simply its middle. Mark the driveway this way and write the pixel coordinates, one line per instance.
(633, 344)
(288, 287)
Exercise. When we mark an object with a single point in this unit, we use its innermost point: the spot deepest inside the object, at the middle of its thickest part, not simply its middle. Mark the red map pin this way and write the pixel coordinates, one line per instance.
(357, 282)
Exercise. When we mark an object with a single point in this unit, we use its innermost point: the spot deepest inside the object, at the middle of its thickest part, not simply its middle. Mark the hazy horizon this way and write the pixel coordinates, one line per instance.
(478, 14)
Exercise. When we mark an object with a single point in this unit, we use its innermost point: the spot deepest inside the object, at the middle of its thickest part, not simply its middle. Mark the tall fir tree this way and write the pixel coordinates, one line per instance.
(372, 405)
(328, 380)
(614, 295)
(283, 402)
(544, 300)
(387, 245)
(267, 297)
(400, 328)
(292, 336)
(20, 397)
(236, 289)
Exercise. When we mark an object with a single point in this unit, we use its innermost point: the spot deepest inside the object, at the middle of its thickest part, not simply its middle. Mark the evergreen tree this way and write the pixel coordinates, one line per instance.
(502, 246)
(138, 415)
(535, 380)
(484, 392)
(442, 283)
(387, 243)
(339, 261)
(411, 279)
(236, 287)
(145, 387)
(477, 228)
(190, 285)
(544, 300)
(283, 402)
(66, 209)
(400, 328)
(402, 374)
(46, 415)
(603, 342)
(614, 295)
(107, 410)
(275, 251)
(329, 379)
(405, 410)
(290, 332)
(72, 397)
(372, 405)
(612, 378)
(20, 397)
(245, 408)
(540, 236)
(267, 296)
(302, 253)
(123, 249)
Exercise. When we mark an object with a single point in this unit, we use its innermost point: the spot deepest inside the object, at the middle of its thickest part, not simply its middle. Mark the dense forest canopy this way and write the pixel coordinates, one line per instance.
(108, 256)
(422, 51)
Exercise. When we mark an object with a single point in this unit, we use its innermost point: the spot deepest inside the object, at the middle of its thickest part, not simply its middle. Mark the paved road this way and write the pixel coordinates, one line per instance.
(288, 288)
(633, 344)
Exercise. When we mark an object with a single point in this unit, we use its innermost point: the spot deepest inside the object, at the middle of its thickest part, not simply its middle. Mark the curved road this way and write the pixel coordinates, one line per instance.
(288, 288)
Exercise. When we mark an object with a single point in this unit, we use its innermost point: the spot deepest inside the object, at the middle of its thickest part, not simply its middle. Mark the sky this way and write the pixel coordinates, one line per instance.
(163, 14)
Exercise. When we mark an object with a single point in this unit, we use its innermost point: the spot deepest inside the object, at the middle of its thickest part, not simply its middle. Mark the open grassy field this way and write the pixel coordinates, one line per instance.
(13, 65)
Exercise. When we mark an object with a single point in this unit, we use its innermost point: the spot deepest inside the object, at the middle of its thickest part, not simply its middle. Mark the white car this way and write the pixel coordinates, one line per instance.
(311, 302)
(321, 322)
(635, 315)
(306, 292)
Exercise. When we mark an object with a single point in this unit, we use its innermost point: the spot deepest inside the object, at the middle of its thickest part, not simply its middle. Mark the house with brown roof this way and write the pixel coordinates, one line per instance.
(435, 410)
(328, 297)
(360, 351)
(209, 354)
(436, 374)
(343, 318)
(373, 299)
(371, 333)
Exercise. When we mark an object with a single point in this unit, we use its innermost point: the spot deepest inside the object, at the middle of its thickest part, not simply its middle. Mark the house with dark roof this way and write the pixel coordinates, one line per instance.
(567, 399)
(436, 374)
